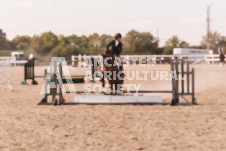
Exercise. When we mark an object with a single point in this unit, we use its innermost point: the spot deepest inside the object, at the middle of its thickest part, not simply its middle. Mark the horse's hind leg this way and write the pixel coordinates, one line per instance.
(116, 87)
(112, 87)
(102, 79)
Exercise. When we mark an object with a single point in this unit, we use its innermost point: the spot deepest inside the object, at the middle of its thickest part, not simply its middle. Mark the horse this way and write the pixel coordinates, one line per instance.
(116, 77)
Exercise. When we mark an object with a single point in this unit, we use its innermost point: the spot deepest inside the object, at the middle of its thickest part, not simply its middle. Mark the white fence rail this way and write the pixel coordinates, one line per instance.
(13, 61)
(81, 61)
(212, 59)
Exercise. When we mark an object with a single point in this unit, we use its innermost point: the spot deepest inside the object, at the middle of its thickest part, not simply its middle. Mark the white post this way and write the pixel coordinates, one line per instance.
(14, 61)
(154, 60)
(100, 58)
(212, 59)
(79, 61)
(161, 60)
(73, 60)
(127, 59)
(5, 63)
(84, 61)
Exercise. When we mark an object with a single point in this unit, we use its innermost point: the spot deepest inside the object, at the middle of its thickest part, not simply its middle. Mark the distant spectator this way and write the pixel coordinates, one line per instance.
(222, 56)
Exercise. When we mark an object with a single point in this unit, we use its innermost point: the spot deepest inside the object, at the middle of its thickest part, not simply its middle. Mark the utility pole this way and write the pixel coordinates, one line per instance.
(208, 26)
(157, 34)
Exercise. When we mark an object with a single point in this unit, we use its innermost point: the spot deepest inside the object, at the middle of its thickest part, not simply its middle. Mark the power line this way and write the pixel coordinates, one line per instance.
(89, 19)
(208, 26)
(215, 15)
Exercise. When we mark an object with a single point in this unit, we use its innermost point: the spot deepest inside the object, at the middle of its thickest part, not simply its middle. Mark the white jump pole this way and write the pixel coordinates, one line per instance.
(79, 61)
(110, 99)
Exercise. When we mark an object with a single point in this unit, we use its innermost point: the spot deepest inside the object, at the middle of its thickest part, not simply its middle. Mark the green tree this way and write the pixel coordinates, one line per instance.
(145, 42)
(81, 42)
(105, 39)
(174, 42)
(215, 41)
(63, 40)
(140, 43)
(84, 41)
(65, 51)
(184, 44)
(44, 44)
(74, 40)
(21, 42)
(94, 41)
(3, 40)
(128, 40)
(222, 42)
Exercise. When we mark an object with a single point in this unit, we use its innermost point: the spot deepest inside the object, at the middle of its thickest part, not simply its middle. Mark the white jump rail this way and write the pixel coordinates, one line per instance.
(81, 61)
(13, 61)
(212, 59)
(19, 62)
(109, 99)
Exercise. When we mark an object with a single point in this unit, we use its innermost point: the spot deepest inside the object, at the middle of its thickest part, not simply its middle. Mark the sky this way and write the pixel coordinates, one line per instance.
(163, 18)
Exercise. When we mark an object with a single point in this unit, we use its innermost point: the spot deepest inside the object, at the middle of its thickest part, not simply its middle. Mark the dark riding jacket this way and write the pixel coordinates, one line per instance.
(115, 50)
(222, 57)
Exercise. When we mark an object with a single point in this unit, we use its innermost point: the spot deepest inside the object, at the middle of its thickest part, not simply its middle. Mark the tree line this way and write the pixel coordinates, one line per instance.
(134, 42)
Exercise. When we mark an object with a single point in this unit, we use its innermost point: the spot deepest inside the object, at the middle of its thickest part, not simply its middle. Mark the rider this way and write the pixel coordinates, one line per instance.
(222, 56)
(116, 47)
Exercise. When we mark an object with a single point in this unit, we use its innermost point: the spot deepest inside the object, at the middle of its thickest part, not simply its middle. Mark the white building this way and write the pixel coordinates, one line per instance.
(18, 57)
(190, 54)
(189, 51)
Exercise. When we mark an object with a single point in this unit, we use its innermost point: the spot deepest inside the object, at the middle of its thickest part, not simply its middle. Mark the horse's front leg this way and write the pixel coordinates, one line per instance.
(103, 75)
(116, 88)
(112, 87)
(102, 79)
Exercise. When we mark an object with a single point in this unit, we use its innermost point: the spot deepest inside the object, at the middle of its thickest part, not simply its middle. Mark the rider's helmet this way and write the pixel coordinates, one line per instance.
(118, 35)
(221, 50)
